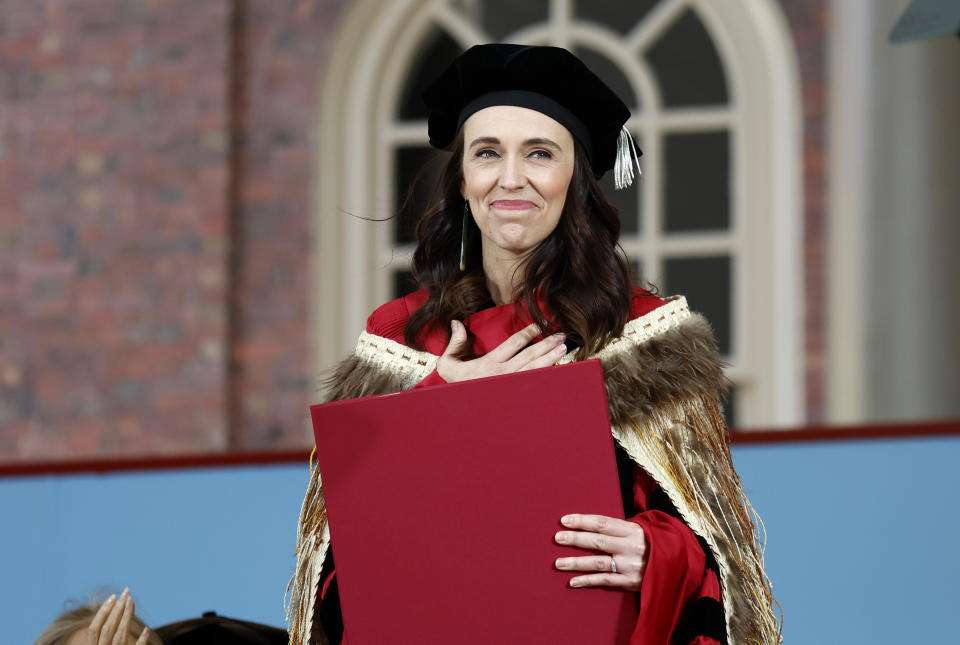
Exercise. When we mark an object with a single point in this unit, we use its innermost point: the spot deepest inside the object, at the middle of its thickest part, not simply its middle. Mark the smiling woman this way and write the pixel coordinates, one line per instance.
(515, 185)
(518, 265)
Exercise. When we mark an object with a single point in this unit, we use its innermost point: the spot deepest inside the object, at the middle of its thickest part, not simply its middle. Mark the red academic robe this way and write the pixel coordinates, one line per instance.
(680, 597)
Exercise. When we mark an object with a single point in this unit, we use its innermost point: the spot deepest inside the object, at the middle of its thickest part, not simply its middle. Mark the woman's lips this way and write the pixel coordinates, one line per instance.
(512, 204)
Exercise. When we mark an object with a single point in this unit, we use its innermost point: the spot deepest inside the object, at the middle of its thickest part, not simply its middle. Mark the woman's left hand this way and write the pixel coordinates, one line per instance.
(623, 545)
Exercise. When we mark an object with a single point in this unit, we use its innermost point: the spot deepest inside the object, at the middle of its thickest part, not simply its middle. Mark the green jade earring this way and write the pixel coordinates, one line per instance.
(463, 237)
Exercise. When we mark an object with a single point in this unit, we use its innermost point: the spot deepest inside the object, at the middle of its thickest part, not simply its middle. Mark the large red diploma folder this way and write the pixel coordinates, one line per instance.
(443, 503)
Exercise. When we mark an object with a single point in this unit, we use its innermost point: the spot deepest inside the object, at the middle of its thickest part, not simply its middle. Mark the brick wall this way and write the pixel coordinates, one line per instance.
(114, 233)
(155, 174)
(281, 61)
(807, 19)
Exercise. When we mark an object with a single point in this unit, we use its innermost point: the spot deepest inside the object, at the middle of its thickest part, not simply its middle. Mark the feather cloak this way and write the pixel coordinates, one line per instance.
(664, 382)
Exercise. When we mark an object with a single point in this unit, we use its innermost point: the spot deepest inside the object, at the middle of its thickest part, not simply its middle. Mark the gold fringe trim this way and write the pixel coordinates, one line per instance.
(312, 544)
(685, 450)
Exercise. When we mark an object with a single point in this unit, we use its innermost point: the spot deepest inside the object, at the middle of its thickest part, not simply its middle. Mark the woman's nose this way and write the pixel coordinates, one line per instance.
(512, 175)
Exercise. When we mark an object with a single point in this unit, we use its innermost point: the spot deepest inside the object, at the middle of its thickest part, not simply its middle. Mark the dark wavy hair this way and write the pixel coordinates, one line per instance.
(578, 271)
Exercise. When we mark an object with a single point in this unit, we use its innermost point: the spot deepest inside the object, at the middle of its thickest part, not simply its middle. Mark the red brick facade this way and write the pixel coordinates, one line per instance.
(155, 221)
(808, 22)
(113, 121)
(278, 64)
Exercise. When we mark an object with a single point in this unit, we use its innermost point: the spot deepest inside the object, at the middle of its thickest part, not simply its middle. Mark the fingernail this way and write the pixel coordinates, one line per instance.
(566, 520)
(126, 592)
(560, 537)
(111, 598)
(560, 563)
(575, 582)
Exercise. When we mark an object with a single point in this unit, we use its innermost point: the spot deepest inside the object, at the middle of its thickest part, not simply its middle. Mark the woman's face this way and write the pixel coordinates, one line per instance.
(517, 164)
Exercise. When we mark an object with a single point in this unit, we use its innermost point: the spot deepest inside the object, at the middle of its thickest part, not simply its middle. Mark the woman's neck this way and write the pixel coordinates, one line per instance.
(503, 275)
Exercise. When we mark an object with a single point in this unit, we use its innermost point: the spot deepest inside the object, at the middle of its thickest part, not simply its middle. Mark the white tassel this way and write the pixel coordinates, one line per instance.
(627, 158)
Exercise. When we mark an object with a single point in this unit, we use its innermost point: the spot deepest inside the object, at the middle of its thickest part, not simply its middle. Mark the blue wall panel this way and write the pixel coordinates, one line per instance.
(185, 541)
(862, 537)
(862, 540)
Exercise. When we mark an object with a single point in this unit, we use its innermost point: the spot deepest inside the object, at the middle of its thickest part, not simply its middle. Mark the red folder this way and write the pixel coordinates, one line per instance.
(443, 503)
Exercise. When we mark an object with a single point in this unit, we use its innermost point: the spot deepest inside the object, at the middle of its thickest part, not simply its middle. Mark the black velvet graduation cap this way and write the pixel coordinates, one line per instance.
(211, 629)
(549, 80)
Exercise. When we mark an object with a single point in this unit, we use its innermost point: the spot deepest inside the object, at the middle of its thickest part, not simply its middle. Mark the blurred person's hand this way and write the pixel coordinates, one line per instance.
(111, 624)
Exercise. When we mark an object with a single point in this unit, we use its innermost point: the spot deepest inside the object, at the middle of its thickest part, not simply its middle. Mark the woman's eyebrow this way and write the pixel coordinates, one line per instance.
(540, 141)
(480, 140)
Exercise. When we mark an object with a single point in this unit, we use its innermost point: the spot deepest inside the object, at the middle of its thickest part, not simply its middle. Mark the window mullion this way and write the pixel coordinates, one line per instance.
(464, 31)
(653, 26)
(653, 200)
(697, 119)
(561, 14)
(386, 174)
(685, 245)
(405, 132)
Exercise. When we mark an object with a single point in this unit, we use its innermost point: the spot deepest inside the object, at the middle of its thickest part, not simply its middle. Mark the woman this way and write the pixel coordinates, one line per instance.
(519, 268)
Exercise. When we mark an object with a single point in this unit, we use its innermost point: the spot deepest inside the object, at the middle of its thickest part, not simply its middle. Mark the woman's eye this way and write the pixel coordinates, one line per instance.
(487, 153)
(541, 154)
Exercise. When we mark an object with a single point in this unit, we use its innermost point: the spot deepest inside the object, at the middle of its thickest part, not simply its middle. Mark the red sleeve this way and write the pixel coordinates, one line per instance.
(327, 617)
(643, 302)
(390, 320)
(433, 378)
(678, 583)
(325, 585)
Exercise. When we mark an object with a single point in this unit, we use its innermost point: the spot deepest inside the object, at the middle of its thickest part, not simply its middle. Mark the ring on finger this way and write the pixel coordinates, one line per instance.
(613, 565)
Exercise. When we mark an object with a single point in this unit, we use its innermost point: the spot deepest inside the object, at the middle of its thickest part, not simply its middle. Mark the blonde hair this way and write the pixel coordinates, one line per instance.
(70, 622)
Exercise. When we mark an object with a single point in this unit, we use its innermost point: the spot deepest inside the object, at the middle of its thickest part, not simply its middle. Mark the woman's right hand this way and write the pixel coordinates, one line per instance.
(111, 624)
(512, 355)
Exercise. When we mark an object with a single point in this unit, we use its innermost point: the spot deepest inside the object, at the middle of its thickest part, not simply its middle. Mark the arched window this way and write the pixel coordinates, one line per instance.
(712, 89)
